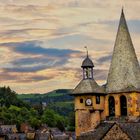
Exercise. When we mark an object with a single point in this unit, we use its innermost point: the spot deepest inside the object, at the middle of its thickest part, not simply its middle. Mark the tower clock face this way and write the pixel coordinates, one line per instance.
(88, 102)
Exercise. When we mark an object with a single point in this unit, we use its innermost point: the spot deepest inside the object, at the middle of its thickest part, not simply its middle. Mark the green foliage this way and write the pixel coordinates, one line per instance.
(60, 125)
(58, 100)
(71, 121)
(59, 95)
(9, 97)
(34, 122)
(52, 119)
(13, 108)
(63, 108)
(71, 118)
(49, 118)
(17, 115)
(71, 128)
(57, 114)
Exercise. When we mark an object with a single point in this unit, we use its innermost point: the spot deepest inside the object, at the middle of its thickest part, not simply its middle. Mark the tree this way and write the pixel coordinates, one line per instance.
(2, 102)
(49, 118)
(71, 120)
(35, 122)
(53, 119)
(60, 125)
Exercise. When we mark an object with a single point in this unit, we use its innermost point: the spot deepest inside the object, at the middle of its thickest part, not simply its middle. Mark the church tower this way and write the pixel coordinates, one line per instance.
(98, 107)
(89, 100)
(123, 82)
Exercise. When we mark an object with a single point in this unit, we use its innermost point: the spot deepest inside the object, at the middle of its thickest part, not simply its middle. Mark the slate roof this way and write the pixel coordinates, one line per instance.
(131, 129)
(98, 133)
(87, 86)
(124, 72)
(87, 62)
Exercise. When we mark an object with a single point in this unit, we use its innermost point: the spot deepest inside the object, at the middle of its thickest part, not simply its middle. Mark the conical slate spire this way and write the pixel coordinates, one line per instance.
(124, 72)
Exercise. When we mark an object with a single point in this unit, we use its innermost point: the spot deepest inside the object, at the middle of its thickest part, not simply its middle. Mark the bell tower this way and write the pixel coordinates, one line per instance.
(118, 101)
(89, 100)
(87, 67)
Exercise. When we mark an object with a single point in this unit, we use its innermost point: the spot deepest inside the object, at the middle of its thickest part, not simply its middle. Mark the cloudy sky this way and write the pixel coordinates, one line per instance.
(42, 41)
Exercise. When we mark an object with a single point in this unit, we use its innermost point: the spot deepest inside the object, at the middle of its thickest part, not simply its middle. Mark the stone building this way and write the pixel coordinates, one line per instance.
(110, 111)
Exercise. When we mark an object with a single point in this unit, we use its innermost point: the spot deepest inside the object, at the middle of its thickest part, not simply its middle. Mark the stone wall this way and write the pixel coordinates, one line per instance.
(83, 121)
(133, 104)
(88, 117)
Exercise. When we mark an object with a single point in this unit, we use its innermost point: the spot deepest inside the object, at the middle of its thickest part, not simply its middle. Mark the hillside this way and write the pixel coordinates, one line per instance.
(58, 100)
(53, 96)
(54, 109)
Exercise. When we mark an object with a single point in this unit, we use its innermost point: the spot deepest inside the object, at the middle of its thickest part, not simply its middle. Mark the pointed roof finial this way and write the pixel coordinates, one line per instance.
(86, 50)
(122, 8)
(87, 61)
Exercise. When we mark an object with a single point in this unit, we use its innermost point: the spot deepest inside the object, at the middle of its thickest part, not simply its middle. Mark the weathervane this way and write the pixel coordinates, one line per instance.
(86, 50)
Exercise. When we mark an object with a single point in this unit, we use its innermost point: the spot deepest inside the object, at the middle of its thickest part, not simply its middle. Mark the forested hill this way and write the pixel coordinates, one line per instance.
(20, 108)
(59, 95)
(58, 100)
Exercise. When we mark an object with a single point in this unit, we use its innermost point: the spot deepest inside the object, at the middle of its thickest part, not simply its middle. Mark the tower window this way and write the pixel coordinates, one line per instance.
(123, 105)
(98, 99)
(81, 100)
(88, 73)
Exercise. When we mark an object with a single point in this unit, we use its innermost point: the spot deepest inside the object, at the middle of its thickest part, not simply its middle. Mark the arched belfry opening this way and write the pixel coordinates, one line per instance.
(87, 66)
(123, 105)
(111, 103)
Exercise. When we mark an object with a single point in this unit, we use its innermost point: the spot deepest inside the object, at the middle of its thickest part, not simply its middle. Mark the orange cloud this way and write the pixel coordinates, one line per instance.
(60, 25)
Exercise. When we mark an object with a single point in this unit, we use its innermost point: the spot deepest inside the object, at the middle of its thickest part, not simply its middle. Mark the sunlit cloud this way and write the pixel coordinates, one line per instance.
(42, 43)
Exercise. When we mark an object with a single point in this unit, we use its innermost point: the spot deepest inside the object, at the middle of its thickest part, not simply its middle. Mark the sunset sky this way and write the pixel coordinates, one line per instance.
(42, 41)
